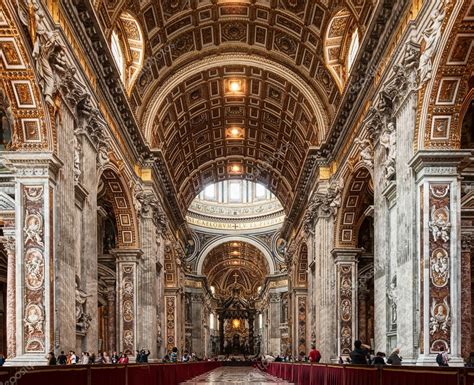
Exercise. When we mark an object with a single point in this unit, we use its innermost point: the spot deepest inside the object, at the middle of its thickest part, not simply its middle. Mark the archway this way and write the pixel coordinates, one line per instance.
(117, 234)
(263, 249)
(467, 227)
(236, 272)
(355, 262)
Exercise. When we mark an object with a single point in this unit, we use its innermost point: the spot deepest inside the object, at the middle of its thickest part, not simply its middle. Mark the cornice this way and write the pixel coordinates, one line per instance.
(439, 158)
(84, 23)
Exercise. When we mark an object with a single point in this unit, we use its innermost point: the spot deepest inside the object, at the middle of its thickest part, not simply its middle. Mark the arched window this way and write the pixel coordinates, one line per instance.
(353, 49)
(341, 43)
(118, 54)
(127, 46)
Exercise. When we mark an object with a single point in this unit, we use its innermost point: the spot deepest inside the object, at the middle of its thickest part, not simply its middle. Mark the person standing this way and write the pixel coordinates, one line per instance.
(115, 358)
(72, 358)
(62, 359)
(123, 359)
(174, 354)
(379, 359)
(360, 353)
(85, 358)
(314, 354)
(2, 360)
(185, 357)
(51, 359)
(395, 359)
(442, 357)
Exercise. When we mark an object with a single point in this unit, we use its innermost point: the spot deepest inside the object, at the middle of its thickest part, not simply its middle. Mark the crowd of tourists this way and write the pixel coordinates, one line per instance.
(361, 355)
(87, 358)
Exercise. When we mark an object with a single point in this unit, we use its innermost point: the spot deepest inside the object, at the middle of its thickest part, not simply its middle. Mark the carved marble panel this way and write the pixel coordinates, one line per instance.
(34, 312)
(439, 267)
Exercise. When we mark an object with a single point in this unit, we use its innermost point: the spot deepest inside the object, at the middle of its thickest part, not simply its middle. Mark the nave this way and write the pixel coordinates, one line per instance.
(192, 180)
(242, 375)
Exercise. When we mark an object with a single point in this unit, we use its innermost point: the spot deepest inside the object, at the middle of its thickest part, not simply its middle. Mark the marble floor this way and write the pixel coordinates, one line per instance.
(236, 376)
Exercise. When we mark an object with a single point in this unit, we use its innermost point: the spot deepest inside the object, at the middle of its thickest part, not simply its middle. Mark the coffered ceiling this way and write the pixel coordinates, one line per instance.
(287, 97)
(235, 264)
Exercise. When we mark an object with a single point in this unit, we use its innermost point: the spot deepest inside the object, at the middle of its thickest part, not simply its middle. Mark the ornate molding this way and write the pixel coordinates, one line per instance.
(147, 205)
(323, 205)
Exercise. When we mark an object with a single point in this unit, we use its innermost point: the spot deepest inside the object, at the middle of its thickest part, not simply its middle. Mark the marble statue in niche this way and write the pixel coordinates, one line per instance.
(82, 317)
(392, 296)
(440, 224)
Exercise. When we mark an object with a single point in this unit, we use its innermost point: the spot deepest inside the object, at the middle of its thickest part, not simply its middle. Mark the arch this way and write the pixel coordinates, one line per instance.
(350, 214)
(177, 118)
(442, 95)
(31, 128)
(337, 43)
(230, 238)
(235, 264)
(124, 211)
(314, 98)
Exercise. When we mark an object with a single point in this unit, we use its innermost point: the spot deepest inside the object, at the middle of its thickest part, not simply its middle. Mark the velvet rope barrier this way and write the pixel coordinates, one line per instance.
(319, 374)
(133, 374)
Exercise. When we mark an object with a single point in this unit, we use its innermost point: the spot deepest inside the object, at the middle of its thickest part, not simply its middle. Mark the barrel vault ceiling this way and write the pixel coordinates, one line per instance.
(197, 50)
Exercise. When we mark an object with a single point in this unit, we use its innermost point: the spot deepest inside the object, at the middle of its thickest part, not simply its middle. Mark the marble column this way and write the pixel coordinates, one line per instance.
(126, 261)
(9, 245)
(147, 300)
(346, 299)
(439, 208)
(274, 316)
(35, 175)
(324, 292)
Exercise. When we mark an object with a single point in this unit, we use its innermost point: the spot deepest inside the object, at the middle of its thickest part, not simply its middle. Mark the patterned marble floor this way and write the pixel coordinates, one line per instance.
(236, 376)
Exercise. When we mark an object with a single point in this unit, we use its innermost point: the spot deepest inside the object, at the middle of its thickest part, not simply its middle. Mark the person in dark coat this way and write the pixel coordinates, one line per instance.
(395, 359)
(62, 359)
(379, 359)
(51, 358)
(359, 354)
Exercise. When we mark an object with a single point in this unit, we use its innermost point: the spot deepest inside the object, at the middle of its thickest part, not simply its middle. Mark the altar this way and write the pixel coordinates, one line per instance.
(236, 326)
